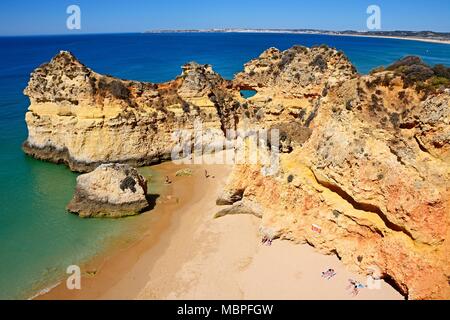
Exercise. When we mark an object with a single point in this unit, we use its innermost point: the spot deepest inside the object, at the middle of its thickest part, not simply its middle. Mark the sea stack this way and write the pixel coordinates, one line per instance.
(73, 108)
(111, 190)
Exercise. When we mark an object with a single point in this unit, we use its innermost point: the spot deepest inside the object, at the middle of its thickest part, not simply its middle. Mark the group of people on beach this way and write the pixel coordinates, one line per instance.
(330, 273)
(353, 286)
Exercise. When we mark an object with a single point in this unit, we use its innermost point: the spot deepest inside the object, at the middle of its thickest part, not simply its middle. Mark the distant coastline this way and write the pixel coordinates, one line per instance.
(425, 36)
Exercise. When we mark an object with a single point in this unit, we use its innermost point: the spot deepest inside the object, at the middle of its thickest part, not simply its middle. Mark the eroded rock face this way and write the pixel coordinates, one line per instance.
(364, 159)
(241, 207)
(84, 119)
(431, 125)
(298, 71)
(111, 190)
(373, 176)
(290, 84)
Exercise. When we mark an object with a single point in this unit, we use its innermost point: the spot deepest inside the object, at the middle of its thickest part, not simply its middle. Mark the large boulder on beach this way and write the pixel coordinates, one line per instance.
(111, 190)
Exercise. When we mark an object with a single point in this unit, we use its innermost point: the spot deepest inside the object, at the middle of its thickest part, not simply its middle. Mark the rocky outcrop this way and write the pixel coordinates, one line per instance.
(84, 119)
(369, 183)
(290, 84)
(111, 190)
(431, 126)
(184, 173)
(364, 159)
(297, 72)
(241, 207)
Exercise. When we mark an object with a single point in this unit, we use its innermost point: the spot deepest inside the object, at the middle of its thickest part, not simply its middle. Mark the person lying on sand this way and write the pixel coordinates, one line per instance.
(354, 286)
(266, 240)
(206, 174)
(168, 181)
(330, 273)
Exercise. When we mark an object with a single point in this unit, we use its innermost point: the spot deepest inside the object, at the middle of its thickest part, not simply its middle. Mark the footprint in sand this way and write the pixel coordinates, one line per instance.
(245, 263)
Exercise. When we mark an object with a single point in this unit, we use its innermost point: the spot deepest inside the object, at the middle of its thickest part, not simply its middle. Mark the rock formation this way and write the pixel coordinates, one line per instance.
(111, 190)
(83, 119)
(372, 175)
(241, 207)
(365, 159)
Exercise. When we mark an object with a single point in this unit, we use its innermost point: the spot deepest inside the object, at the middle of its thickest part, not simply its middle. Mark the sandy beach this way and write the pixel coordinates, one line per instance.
(186, 254)
(376, 36)
(398, 38)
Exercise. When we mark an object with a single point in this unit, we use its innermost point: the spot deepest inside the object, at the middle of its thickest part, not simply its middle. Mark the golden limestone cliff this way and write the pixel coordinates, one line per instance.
(364, 164)
(369, 182)
(83, 119)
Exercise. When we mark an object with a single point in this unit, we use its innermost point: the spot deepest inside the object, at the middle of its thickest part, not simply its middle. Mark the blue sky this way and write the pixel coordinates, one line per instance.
(19, 17)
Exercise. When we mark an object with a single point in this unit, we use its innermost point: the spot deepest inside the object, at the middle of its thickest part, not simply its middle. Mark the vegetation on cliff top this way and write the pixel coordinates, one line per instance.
(414, 72)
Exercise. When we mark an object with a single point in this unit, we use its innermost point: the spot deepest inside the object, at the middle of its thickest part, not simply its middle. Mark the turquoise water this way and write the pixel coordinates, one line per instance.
(38, 238)
(248, 93)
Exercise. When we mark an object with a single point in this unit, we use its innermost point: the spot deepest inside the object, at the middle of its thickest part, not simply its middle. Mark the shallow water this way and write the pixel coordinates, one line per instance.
(38, 238)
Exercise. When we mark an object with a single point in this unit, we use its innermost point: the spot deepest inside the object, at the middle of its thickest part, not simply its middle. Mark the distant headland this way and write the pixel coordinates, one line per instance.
(429, 36)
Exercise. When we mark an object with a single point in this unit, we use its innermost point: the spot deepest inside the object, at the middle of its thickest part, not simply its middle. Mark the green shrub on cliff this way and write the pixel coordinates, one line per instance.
(115, 87)
(319, 62)
(119, 90)
(441, 71)
(425, 78)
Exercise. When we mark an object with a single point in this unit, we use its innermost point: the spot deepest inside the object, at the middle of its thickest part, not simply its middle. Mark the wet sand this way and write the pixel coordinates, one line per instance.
(186, 254)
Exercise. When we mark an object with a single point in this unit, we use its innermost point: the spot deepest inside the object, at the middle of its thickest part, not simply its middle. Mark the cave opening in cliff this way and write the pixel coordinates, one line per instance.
(391, 281)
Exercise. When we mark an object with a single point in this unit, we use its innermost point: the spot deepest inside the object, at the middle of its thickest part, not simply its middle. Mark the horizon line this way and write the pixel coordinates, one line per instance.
(218, 30)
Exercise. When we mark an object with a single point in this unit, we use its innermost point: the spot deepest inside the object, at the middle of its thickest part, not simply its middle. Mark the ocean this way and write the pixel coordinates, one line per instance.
(38, 238)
